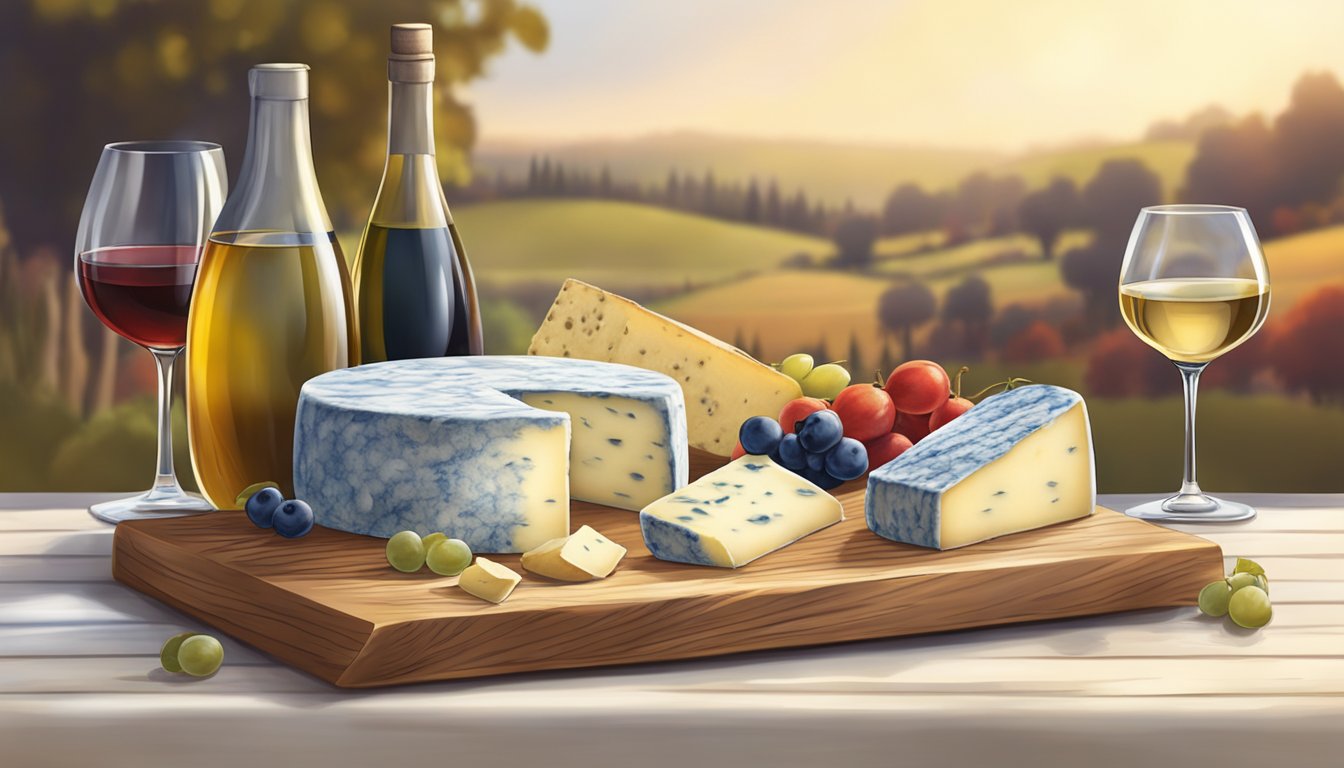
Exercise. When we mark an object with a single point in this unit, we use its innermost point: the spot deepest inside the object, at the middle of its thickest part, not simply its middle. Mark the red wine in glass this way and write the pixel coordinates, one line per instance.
(142, 292)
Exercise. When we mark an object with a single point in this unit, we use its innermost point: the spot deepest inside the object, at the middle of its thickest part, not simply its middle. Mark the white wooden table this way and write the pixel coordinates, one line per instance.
(80, 683)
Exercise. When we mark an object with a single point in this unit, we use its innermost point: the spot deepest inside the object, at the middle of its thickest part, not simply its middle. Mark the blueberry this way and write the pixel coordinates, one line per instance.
(791, 454)
(821, 478)
(293, 519)
(760, 435)
(261, 506)
(820, 431)
(848, 460)
(815, 461)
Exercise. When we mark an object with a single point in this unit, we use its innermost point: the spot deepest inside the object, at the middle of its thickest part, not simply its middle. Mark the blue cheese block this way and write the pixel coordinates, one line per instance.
(1017, 461)
(481, 448)
(735, 514)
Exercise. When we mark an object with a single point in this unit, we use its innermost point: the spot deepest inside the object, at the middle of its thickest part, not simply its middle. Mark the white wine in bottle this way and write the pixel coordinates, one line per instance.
(414, 289)
(272, 305)
(1194, 320)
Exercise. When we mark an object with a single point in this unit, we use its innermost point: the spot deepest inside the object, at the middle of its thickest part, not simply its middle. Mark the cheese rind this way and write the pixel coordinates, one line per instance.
(581, 556)
(489, 580)
(723, 386)
(1017, 461)
(450, 444)
(736, 514)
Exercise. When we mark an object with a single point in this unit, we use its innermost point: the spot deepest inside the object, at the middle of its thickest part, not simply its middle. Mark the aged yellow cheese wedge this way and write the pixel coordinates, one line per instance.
(723, 385)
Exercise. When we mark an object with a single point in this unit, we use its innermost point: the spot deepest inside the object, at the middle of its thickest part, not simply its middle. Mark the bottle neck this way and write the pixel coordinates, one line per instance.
(277, 186)
(410, 127)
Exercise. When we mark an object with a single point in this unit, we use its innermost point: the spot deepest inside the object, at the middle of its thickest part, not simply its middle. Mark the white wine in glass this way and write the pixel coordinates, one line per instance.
(1193, 286)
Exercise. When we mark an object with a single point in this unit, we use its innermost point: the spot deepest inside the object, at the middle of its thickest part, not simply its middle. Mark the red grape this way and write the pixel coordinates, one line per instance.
(798, 409)
(918, 386)
(865, 410)
(886, 448)
(913, 426)
(949, 410)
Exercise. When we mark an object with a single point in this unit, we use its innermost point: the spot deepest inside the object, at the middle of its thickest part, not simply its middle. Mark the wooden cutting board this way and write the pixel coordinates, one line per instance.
(329, 603)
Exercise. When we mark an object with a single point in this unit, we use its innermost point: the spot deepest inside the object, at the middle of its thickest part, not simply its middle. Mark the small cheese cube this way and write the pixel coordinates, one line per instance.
(488, 580)
(1017, 461)
(581, 556)
(737, 513)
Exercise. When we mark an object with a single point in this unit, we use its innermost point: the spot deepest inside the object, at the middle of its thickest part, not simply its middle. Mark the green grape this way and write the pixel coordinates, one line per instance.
(448, 557)
(1250, 608)
(1248, 566)
(406, 552)
(247, 492)
(168, 654)
(429, 541)
(1213, 598)
(797, 366)
(1239, 581)
(825, 381)
(200, 655)
(1262, 581)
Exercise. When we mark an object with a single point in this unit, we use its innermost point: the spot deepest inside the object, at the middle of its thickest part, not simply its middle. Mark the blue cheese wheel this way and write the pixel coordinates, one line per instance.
(485, 449)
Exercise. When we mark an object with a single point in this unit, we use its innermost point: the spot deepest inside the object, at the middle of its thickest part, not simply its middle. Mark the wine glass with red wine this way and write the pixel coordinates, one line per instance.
(148, 212)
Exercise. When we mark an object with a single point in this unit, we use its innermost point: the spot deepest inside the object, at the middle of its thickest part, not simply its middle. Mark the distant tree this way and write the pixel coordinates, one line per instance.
(1111, 200)
(545, 180)
(854, 239)
(1047, 212)
(533, 175)
(1307, 141)
(904, 307)
(795, 215)
(1308, 348)
(910, 209)
(969, 305)
(1038, 341)
(887, 361)
(1235, 164)
(672, 189)
(751, 203)
(1192, 127)
(604, 182)
(854, 360)
(558, 183)
(1120, 365)
(709, 194)
(774, 212)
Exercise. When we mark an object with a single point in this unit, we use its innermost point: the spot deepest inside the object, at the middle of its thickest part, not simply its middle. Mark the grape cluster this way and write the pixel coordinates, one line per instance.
(1243, 596)
(817, 451)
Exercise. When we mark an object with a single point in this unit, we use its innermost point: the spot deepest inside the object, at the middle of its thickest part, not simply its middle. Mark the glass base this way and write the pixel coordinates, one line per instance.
(152, 504)
(1192, 508)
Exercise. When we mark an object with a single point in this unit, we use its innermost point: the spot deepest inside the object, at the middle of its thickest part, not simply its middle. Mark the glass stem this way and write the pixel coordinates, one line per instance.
(1190, 378)
(165, 478)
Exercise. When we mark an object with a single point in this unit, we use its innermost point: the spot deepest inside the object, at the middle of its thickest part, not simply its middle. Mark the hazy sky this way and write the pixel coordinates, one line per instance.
(995, 73)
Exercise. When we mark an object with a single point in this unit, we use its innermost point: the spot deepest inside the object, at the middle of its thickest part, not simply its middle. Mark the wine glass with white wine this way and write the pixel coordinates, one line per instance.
(1193, 286)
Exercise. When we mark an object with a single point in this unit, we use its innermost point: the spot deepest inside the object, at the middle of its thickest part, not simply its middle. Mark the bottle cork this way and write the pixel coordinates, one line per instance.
(412, 57)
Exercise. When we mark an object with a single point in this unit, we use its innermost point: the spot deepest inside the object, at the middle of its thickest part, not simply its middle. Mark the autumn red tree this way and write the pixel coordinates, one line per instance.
(1038, 341)
(1308, 345)
(1122, 366)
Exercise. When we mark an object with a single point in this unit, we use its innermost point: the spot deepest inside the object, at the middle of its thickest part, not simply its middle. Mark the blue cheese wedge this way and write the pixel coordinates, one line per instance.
(1017, 461)
(486, 449)
(735, 514)
(583, 555)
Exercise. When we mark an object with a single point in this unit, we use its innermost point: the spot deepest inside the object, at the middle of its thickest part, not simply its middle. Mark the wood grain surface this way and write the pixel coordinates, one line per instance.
(330, 605)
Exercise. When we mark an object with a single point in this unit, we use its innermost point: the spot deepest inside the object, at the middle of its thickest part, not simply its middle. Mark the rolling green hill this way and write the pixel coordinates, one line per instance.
(614, 244)
(1301, 263)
